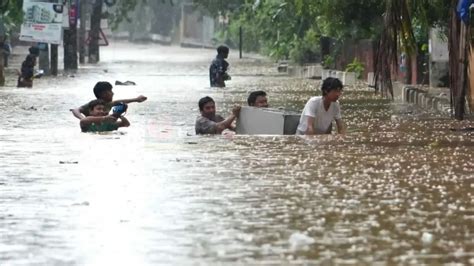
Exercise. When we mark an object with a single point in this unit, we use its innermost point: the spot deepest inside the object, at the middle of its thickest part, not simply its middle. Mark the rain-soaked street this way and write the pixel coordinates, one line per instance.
(398, 188)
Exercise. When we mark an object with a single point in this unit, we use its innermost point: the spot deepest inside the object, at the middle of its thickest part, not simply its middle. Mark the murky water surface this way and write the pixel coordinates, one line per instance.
(397, 189)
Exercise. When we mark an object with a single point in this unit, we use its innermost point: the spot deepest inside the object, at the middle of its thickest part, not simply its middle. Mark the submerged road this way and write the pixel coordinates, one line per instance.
(397, 189)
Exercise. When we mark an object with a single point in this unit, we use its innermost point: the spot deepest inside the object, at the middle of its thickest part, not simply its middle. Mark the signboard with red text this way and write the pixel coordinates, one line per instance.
(42, 22)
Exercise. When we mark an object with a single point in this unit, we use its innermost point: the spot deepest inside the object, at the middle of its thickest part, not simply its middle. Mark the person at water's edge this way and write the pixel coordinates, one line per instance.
(218, 69)
(320, 111)
(210, 123)
(99, 121)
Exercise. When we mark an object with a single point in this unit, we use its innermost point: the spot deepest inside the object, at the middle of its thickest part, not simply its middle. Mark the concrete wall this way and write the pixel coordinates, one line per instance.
(347, 78)
(437, 100)
(313, 71)
(363, 50)
(197, 29)
(439, 59)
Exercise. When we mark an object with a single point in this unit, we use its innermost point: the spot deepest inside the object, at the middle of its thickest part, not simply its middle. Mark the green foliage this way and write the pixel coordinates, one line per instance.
(12, 15)
(290, 29)
(328, 62)
(307, 49)
(357, 67)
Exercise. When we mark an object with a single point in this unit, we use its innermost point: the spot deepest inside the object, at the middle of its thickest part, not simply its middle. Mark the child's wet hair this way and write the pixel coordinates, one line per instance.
(101, 87)
(203, 101)
(222, 49)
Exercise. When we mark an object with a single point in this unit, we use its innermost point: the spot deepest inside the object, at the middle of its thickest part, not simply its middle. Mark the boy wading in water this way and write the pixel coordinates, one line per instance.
(320, 111)
(25, 79)
(218, 69)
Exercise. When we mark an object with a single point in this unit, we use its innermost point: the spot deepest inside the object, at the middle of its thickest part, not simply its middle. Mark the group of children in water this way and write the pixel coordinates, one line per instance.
(316, 118)
(96, 116)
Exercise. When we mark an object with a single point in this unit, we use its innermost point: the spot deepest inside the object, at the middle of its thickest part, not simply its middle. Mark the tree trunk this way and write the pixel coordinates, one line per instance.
(94, 32)
(82, 31)
(2, 69)
(70, 49)
(457, 66)
(54, 59)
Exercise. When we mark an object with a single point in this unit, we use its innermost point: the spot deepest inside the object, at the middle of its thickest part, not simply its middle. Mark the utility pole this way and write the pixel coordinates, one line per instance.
(94, 32)
(70, 38)
(54, 51)
(82, 31)
(2, 67)
(240, 42)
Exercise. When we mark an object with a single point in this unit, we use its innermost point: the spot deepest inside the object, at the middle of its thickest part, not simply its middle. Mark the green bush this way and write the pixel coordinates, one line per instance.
(328, 62)
(305, 50)
(357, 67)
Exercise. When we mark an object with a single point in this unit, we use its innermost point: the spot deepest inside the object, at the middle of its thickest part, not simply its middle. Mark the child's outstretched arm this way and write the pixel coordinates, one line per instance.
(77, 113)
(81, 111)
(138, 99)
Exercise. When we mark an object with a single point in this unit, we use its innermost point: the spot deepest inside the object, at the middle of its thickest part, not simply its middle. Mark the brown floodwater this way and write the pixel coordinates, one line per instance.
(397, 189)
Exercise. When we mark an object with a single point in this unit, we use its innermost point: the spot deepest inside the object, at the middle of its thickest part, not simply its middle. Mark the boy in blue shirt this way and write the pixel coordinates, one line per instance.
(218, 69)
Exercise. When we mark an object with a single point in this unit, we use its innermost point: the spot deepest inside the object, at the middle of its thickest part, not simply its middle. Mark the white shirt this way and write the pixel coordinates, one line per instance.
(322, 118)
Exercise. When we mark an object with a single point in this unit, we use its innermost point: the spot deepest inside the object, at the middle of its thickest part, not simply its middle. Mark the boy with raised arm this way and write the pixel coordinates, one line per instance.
(103, 91)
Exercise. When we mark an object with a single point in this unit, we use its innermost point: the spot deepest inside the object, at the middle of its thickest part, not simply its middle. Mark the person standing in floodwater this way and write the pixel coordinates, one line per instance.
(218, 69)
(27, 71)
(25, 79)
(320, 111)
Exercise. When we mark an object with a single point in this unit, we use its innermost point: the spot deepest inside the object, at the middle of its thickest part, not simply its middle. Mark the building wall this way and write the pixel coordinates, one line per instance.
(363, 50)
(197, 29)
(439, 59)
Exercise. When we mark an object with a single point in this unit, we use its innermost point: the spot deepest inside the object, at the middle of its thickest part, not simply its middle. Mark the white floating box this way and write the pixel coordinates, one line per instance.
(266, 121)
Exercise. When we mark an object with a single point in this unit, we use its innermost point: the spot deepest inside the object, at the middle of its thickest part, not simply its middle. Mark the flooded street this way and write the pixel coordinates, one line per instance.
(398, 188)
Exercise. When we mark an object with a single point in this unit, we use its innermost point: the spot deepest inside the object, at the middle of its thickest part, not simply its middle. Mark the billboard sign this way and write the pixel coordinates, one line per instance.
(42, 22)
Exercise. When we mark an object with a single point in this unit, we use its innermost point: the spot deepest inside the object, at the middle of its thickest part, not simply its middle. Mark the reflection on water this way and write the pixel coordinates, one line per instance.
(397, 189)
